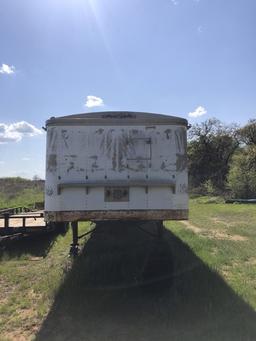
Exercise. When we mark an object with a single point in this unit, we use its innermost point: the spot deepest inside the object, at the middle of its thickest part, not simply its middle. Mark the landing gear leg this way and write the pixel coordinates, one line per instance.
(74, 248)
(160, 229)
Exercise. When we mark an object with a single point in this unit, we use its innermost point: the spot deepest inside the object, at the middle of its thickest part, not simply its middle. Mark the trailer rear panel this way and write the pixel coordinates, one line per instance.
(116, 165)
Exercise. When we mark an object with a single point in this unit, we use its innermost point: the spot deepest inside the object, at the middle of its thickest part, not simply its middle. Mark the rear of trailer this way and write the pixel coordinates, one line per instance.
(116, 165)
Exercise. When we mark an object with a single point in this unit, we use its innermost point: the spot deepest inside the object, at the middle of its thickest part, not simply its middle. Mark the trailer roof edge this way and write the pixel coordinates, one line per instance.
(116, 118)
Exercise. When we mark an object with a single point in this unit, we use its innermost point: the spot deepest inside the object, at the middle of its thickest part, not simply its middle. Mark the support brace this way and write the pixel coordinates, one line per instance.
(160, 229)
(74, 247)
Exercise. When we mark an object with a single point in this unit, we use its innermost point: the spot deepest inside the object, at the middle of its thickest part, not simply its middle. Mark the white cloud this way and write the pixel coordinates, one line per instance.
(24, 128)
(93, 101)
(175, 2)
(2, 162)
(7, 69)
(25, 159)
(199, 111)
(16, 131)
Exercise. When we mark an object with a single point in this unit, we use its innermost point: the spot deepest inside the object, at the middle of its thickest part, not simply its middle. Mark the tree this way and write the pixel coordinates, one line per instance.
(242, 175)
(247, 134)
(210, 148)
(36, 177)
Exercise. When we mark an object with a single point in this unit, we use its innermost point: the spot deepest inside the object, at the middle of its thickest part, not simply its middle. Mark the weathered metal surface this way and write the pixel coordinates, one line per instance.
(62, 216)
(144, 152)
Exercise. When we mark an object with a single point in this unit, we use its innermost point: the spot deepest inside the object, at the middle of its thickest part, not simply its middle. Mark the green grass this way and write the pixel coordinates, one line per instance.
(211, 294)
(235, 260)
(30, 274)
(20, 192)
(25, 198)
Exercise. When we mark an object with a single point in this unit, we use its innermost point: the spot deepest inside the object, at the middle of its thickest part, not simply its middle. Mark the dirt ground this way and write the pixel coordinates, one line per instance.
(212, 233)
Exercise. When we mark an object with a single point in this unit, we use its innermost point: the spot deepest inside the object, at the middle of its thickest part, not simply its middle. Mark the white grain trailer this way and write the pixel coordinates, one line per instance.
(116, 166)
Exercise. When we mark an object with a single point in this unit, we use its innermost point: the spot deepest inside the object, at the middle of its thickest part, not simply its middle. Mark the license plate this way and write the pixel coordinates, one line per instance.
(116, 194)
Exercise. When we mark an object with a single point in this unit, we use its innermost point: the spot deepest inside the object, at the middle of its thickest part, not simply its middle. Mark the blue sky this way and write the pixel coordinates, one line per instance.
(167, 56)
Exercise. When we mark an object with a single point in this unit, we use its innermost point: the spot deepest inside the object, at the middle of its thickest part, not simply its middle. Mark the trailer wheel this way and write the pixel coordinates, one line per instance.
(74, 247)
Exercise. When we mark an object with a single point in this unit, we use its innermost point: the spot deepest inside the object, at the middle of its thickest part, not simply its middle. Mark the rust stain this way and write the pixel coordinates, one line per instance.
(65, 137)
(181, 145)
(137, 165)
(163, 165)
(167, 166)
(181, 162)
(179, 214)
(99, 131)
(183, 188)
(71, 166)
(121, 146)
(52, 163)
(114, 145)
(168, 133)
(180, 139)
(49, 191)
(53, 137)
(114, 163)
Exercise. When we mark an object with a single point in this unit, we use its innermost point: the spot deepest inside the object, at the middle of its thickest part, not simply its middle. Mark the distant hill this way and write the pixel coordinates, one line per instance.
(20, 192)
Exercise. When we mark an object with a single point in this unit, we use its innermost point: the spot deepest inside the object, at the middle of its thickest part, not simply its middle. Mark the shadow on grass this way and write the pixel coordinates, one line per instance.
(35, 245)
(104, 296)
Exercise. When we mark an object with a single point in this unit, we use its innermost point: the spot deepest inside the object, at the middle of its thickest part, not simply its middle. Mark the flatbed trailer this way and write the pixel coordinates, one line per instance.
(24, 224)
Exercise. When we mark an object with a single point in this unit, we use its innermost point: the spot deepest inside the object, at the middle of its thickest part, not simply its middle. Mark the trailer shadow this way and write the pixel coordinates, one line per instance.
(126, 285)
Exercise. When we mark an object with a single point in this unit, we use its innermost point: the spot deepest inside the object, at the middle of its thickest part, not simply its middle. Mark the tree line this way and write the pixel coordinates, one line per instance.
(222, 158)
